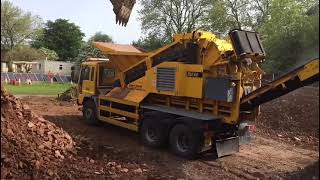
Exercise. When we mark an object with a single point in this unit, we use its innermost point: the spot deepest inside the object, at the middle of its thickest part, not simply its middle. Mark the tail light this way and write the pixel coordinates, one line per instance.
(252, 128)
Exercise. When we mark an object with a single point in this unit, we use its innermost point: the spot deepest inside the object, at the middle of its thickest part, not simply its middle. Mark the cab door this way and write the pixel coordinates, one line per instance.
(87, 80)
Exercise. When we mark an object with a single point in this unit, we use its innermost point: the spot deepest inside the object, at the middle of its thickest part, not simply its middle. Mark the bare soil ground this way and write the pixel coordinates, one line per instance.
(293, 118)
(286, 146)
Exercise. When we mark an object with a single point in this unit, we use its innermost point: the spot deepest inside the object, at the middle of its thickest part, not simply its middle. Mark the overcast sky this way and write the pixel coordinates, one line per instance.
(92, 16)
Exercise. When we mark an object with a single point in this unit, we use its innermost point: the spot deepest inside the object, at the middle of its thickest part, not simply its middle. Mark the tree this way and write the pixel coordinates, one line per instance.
(226, 15)
(149, 43)
(290, 36)
(100, 37)
(262, 12)
(24, 53)
(87, 51)
(63, 37)
(167, 17)
(218, 19)
(238, 10)
(17, 27)
(49, 54)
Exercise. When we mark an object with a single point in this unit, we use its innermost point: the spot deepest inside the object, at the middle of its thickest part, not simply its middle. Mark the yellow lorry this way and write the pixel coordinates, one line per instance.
(197, 94)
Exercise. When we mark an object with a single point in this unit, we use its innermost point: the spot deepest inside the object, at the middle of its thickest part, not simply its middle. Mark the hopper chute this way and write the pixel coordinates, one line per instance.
(120, 55)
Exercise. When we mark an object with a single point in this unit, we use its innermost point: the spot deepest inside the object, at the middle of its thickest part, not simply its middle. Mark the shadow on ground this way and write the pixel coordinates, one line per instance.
(117, 144)
(309, 172)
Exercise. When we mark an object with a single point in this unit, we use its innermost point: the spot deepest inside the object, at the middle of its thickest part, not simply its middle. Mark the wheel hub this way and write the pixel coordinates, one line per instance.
(183, 142)
(151, 134)
(88, 113)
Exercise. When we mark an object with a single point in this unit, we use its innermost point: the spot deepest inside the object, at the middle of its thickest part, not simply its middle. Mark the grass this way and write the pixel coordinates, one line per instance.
(38, 89)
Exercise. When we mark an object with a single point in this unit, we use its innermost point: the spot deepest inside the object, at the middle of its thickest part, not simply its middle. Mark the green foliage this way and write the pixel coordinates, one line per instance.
(63, 37)
(168, 17)
(238, 11)
(290, 36)
(226, 15)
(218, 19)
(17, 26)
(149, 43)
(289, 29)
(88, 51)
(24, 53)
(49, 54)
(262, 13)
(100, 37)
(38, 89)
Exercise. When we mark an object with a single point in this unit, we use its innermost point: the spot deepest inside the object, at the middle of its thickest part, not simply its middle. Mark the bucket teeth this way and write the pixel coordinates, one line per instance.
(122, 9)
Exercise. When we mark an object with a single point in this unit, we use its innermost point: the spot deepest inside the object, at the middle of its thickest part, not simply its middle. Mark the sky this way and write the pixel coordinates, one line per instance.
(91, 16)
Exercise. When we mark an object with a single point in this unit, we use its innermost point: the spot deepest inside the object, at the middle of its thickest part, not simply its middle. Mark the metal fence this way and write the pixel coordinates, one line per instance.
(33, 77)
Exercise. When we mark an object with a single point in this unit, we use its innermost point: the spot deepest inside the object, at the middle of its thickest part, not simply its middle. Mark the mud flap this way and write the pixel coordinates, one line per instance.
(227, 146)
(245, 132)
(245, 138)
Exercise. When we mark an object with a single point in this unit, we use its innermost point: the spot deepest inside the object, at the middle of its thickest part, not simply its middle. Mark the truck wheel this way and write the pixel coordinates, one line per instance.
(90, 113)
(184, 142)
(152, 133)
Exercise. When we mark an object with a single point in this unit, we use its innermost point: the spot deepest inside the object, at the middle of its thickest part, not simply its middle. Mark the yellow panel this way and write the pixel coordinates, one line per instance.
(126, 96)
(116, 122)
(221, 44)
(80, 98)
(120, 112)
(189, 84)
(150, 80)
(88, 87)
(185, 86)
(137, 84)
(310, 69)
(136, 96)
(118, 100)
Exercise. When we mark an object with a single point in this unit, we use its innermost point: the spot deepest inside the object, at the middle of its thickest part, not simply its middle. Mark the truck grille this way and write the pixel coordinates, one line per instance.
(166, 79)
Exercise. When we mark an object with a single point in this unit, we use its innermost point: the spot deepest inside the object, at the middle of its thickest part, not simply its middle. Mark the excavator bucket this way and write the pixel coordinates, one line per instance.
(122, 10)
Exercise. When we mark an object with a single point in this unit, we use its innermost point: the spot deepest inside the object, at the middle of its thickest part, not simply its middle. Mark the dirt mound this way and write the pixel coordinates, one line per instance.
(31, 147)
(294, 116)
(34, 148)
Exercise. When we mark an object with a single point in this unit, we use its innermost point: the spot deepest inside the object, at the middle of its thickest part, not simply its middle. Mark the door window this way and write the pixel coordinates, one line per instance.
(85, 73)
(92, 73)
(106, 76)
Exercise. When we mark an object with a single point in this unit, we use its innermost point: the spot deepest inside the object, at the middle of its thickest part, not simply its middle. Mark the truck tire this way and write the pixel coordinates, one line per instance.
(184, 142)
(152, 131)
(90, 113)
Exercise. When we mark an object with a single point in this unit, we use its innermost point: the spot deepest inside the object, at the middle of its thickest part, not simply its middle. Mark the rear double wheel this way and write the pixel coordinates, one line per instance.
(184, 141)
(152, 130)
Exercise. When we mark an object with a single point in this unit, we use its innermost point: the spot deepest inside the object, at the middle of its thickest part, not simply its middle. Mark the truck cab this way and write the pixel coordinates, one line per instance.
(96, 77)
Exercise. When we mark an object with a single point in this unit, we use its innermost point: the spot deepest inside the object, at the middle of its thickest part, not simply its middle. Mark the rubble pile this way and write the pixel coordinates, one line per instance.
(30, 145)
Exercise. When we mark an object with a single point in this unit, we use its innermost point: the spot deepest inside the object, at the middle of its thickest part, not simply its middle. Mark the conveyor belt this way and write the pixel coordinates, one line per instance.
(301, 76)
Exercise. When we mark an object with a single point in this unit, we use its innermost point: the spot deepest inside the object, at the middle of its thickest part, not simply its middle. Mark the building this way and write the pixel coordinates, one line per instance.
(56, 67)
(18, 66)
(39, 66)
(4, 66)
